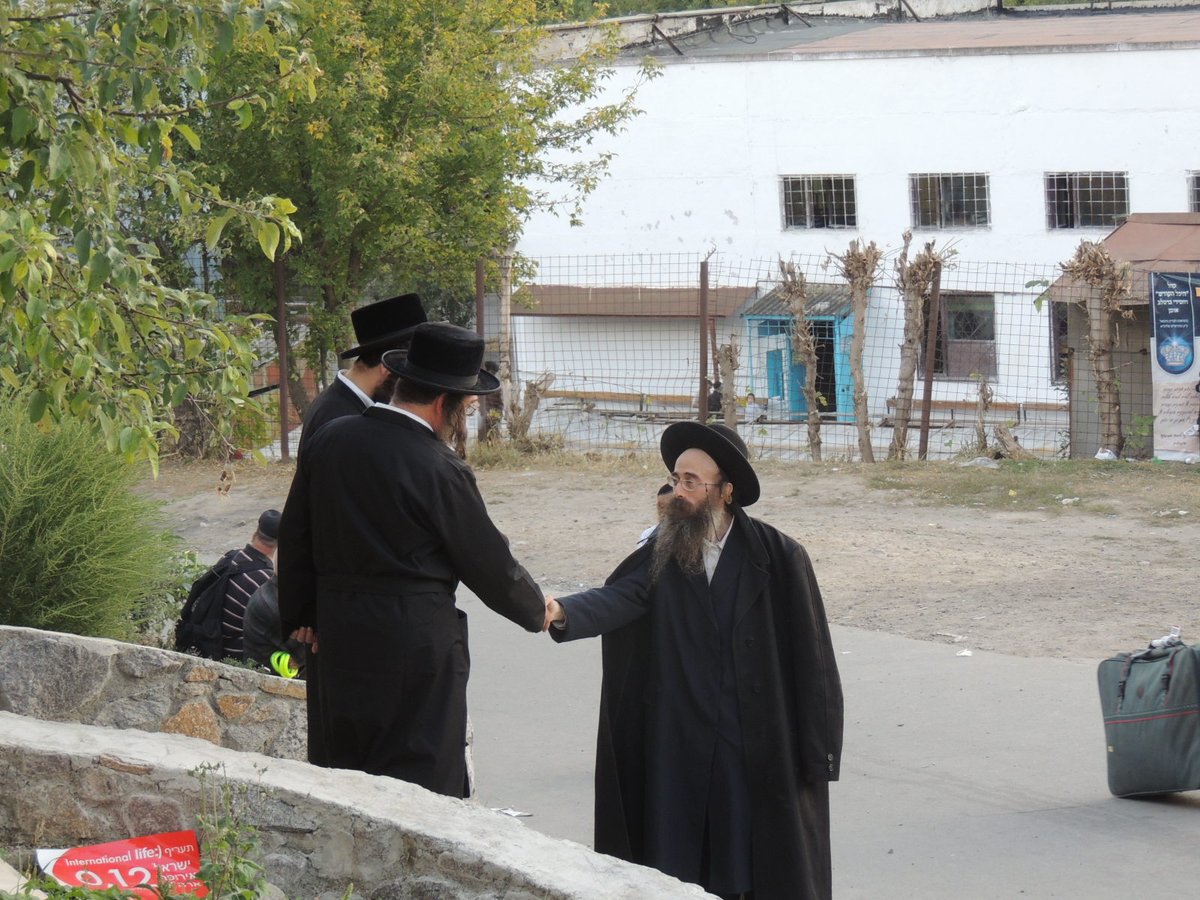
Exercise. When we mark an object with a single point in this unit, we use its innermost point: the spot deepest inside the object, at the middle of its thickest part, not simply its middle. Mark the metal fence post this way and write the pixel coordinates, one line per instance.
(703, 395)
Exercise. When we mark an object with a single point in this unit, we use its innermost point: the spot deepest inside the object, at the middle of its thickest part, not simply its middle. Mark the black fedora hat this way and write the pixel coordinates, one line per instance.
(445, 357)
(383, 325)
(725, 447)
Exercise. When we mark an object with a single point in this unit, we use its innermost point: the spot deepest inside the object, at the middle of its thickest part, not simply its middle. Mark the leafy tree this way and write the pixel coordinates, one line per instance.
(582, 10)
(433, 123)
(97, 102)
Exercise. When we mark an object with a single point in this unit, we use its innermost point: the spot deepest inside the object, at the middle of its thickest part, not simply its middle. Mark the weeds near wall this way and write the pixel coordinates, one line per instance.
(229, 845)
(79, 549)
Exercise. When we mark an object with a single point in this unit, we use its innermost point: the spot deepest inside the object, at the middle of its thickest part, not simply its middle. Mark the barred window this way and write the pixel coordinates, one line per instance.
(819, 201)
(1086, 199)
(957, 200)
(966, 336)
(1194, 191)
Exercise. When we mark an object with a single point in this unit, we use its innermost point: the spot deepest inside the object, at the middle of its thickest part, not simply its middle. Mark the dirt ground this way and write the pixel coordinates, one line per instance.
(1082, 579)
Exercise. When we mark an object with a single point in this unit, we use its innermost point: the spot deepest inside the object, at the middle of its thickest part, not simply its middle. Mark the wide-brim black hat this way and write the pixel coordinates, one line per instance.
(384, 325)
(726, 448)
(445, 357)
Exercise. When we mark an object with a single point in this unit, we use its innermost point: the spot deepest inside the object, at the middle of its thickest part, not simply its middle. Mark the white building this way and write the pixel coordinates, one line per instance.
(1009, 138)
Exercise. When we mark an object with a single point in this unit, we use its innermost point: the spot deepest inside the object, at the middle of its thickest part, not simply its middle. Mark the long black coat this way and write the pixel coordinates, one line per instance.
(334, 402)
(664, 649)
(381, 524)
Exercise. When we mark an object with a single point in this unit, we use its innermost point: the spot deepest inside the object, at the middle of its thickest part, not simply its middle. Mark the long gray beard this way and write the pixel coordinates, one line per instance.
(680, 538)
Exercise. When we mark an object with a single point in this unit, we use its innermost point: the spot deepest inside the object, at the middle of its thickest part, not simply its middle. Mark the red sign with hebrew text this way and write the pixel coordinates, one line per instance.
(130, 865)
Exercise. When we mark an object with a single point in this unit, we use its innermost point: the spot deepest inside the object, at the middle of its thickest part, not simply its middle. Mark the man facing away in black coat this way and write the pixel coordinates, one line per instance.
(382, 522)
(378, 328)
(721, 704)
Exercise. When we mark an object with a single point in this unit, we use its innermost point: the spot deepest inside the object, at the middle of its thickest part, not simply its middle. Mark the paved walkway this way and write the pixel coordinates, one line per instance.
(965, 777)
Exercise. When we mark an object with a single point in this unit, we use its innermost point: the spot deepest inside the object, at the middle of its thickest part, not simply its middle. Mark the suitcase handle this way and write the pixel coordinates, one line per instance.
(1148, 653)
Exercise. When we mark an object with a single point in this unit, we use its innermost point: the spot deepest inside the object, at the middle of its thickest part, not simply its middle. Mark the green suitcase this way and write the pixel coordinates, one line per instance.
(1151, 706)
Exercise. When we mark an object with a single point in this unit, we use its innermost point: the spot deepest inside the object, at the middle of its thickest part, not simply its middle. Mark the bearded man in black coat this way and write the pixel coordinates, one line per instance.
(721, 704)
(382, 522)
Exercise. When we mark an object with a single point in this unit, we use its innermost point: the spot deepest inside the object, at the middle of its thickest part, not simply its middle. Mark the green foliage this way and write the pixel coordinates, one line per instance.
(154, 617)
(1139, 438)
(229, 849)
(97, 106)
(431, 125)
(251, 427)
(80, 551)
(55, 891)
(229, 845)
(584, 10)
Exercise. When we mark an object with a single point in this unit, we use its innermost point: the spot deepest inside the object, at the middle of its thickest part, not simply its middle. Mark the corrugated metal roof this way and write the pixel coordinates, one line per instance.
(1149, 242)
(576, 300)
(814, 37)
(820, 300)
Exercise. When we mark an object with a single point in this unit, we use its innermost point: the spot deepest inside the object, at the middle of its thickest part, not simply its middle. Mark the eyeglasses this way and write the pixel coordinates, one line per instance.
(690, 484)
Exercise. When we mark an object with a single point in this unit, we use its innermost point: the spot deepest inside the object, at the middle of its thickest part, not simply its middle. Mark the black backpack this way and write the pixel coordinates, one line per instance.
(199, 625)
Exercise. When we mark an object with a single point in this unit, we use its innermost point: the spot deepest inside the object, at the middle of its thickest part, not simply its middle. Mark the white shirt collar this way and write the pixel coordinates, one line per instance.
(366, 401)
(405, 412)
(712, 552)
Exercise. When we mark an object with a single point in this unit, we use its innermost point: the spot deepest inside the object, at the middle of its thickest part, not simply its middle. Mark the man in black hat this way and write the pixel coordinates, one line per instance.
(378, 327)
(721, 705)
(382, 522)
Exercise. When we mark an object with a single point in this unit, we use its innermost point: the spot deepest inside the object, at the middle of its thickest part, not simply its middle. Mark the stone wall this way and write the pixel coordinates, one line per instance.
(66, 678)
(67, 782)
(322, 830)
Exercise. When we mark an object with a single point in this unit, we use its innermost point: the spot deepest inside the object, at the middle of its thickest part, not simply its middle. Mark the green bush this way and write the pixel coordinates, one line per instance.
(80, 551)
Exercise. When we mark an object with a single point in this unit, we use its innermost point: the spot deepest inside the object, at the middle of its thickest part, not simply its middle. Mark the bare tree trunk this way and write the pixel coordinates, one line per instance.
(915, 282)
(982, 404)
(1092, 265)
(1007, 444)
(804, 348)
(727, 366)
(520, 414)
(859, 265)
(504, 338)
(298, 392)
(1101, 340)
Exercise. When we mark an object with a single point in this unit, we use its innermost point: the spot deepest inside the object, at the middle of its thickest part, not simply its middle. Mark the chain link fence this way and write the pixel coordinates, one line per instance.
(831, 356)
(603, 352)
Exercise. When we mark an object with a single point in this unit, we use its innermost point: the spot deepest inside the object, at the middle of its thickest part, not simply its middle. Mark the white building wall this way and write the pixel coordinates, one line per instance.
(635, 356)
(701, 167)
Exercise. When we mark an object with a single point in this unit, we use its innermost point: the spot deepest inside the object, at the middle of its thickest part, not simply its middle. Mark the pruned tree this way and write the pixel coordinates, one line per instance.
(727, 366)
(914, 281)
(521, 406)
(859, 265)
(1108, 288)
(794, 288)
(983, 403)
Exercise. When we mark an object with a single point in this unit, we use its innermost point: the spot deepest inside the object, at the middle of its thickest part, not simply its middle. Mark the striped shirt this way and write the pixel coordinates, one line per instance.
(237, 595)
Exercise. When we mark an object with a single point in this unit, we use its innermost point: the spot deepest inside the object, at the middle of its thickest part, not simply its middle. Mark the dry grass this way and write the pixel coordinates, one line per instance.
(1160, 492)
